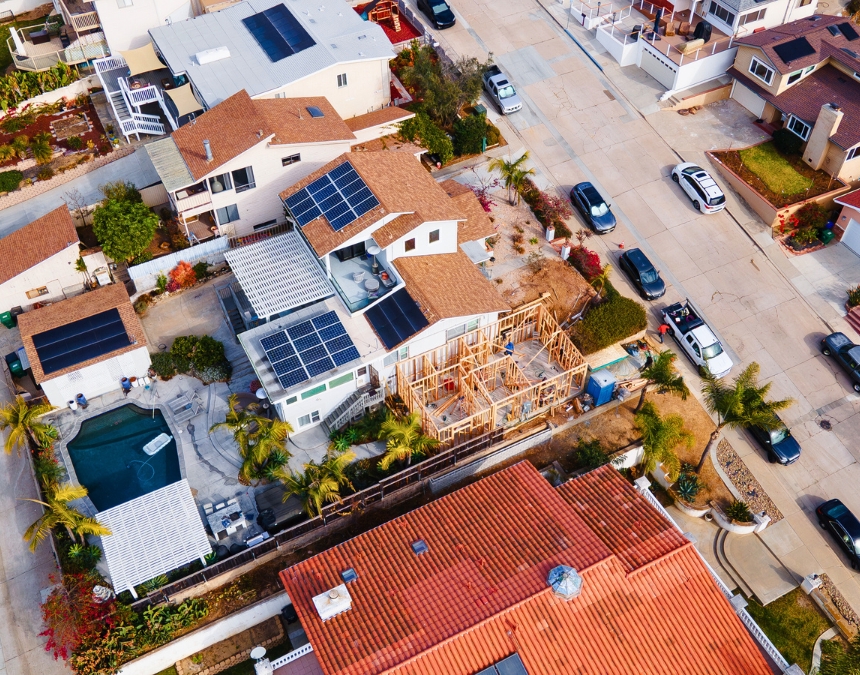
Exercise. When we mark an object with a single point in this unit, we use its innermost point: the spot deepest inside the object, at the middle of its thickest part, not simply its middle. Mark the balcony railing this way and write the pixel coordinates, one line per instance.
(193, 201)
(45, 55)
(80, 21)
(141, 95)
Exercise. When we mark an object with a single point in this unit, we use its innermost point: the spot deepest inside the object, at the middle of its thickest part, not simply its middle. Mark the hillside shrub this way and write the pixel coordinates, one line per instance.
(162, 365)
(586, 262)
(202, 357)
(469, 134)
(9, 180)
(609, 322)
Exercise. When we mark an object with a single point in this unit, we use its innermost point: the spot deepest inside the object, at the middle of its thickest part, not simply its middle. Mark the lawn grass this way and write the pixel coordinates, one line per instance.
(774, 170)
(793, 623)
(5, 55)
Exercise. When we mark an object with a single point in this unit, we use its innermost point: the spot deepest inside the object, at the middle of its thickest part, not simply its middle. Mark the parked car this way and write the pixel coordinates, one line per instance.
(780, 445)
(593, 208)
(642, 273)
(835, 517)
(438, 12)
(502, 92)
(702, 190)
(846, 353)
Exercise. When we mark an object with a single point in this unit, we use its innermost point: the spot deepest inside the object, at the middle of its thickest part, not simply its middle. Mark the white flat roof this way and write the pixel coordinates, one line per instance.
(278, 274)
(152, 535)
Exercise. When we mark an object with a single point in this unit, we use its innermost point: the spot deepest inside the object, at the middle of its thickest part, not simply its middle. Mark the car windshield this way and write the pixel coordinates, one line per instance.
(778, 435)
(598, 210)
(649, 277)
(507, 92)
(691, 170)
(714, 201)
(441, 7)
(713, 350)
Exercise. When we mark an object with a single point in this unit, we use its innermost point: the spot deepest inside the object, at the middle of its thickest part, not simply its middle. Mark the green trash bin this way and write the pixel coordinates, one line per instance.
(15, 367)
(7, 319)
(827, 236)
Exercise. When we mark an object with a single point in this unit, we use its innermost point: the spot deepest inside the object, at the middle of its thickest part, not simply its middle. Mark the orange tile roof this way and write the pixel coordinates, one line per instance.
(235, 125)
(36, 242)
(480, 593)
(80, 307)
(376, 118)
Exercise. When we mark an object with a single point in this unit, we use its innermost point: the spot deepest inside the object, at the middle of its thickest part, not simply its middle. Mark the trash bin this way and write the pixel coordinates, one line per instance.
(479, 110)
(14, 364)
(827, 236)
(7, 319)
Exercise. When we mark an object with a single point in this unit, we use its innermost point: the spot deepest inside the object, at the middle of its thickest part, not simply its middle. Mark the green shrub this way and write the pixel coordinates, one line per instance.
(45, 173)
(161, 283)
(142, 257)
(689, 487)
(812, 215)
(75, 142)
(201, 270)
(854, 296)
(740, 512)
(422, 129)
(590, 455)
(162, 364)
(612, 320)
(220, 372)
(469, 135)
(183, 346)
(207, 353)
(142, 304)
(9, 180)
(787, 142)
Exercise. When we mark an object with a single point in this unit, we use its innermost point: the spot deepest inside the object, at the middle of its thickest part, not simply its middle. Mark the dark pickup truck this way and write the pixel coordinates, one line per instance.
(847, 355)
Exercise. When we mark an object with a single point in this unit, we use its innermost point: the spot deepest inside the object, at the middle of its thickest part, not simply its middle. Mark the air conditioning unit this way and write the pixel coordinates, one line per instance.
(212, 55)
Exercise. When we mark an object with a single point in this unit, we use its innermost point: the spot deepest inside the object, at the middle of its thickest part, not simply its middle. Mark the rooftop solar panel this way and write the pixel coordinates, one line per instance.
(276, 340)
(340, 195)
(81, 340)
(278, 32)
(325, 320)
(321, 366)
(293, 378)
(281, 352)
(300, 330)
(287, 365)
(331, 332)
(396, 318)
(848, 31)
(793, 50)
(345, 356)
(307, 342)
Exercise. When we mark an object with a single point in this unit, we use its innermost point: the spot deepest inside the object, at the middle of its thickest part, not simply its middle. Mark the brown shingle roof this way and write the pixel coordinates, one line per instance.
(387, 115)
(234, 125)
(400, 184)
(477, 225)
(36, 242)
(393, 230)
(804, 100)
(449, 285)
(74, 309)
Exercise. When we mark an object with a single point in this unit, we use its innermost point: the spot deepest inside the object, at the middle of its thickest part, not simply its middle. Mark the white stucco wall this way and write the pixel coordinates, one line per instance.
(447, 240)
(127, 27)
(97, 379)
(20, 6)
(55, 273)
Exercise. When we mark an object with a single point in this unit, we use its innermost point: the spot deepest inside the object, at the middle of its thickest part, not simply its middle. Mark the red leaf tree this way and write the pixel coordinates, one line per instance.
(72, 615)
(183, 274)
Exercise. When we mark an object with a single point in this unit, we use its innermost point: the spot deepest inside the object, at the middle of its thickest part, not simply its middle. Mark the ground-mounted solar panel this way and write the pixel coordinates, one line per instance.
(300, 330)
(794, 50)
(345, 356)
(81, 340)
(276, 340)
(340, 195)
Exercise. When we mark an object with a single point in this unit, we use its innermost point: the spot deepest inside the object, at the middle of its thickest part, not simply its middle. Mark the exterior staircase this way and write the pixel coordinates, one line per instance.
(131, 122)
(853, 319)
(234, 318)
(353, 407)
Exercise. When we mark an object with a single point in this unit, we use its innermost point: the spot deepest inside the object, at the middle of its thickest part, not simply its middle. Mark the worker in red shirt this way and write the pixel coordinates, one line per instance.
(663, 329)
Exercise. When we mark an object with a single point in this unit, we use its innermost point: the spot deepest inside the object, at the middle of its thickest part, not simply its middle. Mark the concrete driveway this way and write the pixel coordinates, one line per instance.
(581, 123)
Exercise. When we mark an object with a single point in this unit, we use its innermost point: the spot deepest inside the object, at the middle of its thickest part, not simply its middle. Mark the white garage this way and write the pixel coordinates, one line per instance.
(851, 238)
(748, 99)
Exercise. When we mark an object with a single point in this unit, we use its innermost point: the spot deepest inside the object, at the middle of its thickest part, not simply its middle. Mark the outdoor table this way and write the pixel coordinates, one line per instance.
(226, 521)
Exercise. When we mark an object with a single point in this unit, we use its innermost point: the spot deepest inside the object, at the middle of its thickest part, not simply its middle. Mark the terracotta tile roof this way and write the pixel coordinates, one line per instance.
(387, 115)
(36, 242)
(851, 199)
(74, 309)
(804, 100)
(400, 184)
(449, 285)
(480, 594)
(234, 125)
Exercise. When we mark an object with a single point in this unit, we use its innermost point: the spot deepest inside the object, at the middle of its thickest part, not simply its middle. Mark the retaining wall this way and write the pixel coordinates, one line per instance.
(146, 274)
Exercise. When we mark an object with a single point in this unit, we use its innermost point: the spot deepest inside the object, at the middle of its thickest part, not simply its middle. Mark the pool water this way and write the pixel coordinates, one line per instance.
(109, 459)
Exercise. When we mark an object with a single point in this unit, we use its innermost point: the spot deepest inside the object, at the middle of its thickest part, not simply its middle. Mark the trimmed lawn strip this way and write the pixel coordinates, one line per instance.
(766, 163)
(793, 623)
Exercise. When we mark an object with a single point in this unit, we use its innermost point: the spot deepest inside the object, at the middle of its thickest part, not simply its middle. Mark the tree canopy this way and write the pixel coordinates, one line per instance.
(123, 227)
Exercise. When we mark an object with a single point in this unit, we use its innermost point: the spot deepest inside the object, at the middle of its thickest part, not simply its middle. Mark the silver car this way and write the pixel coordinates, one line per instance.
(702, 190)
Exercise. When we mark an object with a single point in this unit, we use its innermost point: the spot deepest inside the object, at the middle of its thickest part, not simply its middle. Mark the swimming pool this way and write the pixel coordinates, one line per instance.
(109, 459)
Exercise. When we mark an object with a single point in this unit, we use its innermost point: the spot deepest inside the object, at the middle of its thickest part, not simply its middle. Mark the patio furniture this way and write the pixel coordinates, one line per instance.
(39, 37)
(684, 28)
(226, 520)
(371, 285)
(358, 277)
(167, 83)
(220, 506)
(207, 509)
(184, 407)
(387, 281)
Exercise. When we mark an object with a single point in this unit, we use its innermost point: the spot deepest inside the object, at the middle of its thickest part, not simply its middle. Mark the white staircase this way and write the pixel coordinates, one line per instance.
(130, 122)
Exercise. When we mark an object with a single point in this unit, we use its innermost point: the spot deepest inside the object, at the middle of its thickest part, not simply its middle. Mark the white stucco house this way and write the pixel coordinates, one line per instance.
(381, 265)
(223, 173)
(85, 345)
(40, 263)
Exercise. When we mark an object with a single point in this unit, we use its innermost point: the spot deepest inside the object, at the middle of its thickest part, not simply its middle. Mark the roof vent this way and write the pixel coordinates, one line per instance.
(208, 149)
(835, 106)
(333, 602)
(565, 582)
(212, 55)
(313, 111)
(419, 546)
(349, 575)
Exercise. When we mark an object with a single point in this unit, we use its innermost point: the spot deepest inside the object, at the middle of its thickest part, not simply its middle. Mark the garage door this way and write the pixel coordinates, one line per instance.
(658, 68)
(851, 238)
(748, 99)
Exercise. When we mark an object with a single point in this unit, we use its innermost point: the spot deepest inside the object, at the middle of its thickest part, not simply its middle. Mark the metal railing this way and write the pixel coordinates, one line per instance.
(192, 201)
(81, 20)
(138, 122)
(141, 96)
(69, 55)
(292, 656)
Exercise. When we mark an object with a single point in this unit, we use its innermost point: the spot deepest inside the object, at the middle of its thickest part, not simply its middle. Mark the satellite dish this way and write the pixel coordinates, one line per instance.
(258, 652)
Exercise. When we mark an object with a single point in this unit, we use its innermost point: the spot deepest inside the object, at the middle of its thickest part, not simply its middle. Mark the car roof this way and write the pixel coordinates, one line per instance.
(708, 184)
(639, 260)
(841, 513)
(838, 340)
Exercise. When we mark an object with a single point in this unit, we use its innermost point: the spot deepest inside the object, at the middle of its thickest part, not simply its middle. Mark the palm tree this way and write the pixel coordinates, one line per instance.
(22, 419)
(318, 484)
(58, 512)
(404, 437)
(513, 173)
(742, 404)
(599, 282)
(662, 374)
(241, 422)
(660, 437)
(259, 447)
(335, 464)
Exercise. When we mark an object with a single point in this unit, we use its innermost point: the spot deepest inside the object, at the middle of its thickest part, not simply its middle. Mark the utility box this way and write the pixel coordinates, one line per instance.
(601, 386)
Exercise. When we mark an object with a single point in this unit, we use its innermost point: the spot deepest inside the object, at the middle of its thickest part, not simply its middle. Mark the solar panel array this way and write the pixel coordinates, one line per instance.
(848, 31)
(80, 341)
(396, 318)
(796, 49)
(340, 195)
(308, 349)
(278, 32)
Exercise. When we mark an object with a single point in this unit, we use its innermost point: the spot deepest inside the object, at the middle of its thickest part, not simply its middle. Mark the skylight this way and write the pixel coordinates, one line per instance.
(511, 665)
(278, 32)
(313, 111)
(419, 546)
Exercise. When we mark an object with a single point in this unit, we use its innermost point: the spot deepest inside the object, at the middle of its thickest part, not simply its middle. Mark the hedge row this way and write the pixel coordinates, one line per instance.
(613, 320)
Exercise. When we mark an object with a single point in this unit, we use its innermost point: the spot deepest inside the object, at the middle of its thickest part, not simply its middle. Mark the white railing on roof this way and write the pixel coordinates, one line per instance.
(292, 656)
(743, 614)
(620, 9)
(193, 201)
(109, 63)
(141, 96)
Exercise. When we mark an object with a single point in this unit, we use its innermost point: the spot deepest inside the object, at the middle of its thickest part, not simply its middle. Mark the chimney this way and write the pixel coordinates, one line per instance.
(208, 149)
(825, 127)
(333, 602)
(565, 582)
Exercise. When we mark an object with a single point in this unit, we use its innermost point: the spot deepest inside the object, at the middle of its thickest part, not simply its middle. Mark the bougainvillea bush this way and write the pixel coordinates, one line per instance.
(586, 262)
(183, 274)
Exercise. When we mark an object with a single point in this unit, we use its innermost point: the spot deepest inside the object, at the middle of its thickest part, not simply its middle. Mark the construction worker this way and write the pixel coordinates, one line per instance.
(509, 348)
(663, 329)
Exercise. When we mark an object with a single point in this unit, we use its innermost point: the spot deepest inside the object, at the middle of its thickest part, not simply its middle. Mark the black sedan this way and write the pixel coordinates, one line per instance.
(593, 208)
(438, 12)
(847, 355)
(779, 444)
(642, 273)
(835, 517)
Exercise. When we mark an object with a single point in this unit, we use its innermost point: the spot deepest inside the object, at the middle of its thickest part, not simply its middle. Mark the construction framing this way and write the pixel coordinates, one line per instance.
(472, 385)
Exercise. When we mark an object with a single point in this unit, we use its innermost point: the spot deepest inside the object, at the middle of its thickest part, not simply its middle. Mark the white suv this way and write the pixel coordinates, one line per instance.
(703, 190)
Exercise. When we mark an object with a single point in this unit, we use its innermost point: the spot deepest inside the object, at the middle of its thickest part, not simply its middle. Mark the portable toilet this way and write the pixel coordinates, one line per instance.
(600, 386)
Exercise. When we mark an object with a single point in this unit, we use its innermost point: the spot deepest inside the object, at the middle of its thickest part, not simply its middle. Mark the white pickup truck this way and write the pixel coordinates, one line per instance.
(697, 340)
(501, 91)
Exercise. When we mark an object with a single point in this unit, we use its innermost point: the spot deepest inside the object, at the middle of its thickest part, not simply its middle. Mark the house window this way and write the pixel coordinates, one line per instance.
(362, 371)
(228, 214)
(122, 4)
(722, 14)
(462, 329)
(310, 393)
(244, 179)
(341, 80)
(396, 356)
(809, 69)
(291, 400)
(304, 420)
(473, 325)
(799, 127)
(852, 153)
(36, 292)
(752, 16)
(761, 71)
(343, 379)
(292, 159)
(352, 251)
(794, 77)
(410, 244)
(434, 236)
(220, 183)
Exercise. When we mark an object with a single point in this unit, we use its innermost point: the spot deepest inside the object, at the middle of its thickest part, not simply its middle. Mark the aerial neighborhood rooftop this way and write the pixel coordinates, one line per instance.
(427, 336)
